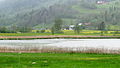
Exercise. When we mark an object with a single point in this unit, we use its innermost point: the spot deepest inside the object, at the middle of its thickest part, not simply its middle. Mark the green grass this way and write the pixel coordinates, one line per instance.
(67, 21)
(84, 10)
(110, 4)
(23, 34)
(60, 60)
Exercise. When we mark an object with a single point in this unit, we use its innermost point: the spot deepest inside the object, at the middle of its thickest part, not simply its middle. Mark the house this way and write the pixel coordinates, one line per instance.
(80, 24)
(87, 24)
(71, 27)
(101, 2)
(65, 27)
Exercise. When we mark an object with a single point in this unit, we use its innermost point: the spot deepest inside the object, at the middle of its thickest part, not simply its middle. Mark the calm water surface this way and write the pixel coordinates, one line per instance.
(69, 43)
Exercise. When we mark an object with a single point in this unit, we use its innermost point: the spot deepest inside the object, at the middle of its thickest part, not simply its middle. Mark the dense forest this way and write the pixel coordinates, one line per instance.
(42, 13)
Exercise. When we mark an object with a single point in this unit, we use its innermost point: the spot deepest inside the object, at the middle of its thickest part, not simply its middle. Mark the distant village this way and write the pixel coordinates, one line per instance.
(102, 2)
(86, 25)
(71, 27)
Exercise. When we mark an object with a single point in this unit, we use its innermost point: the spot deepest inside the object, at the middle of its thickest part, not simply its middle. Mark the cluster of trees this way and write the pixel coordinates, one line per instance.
(14, 29)
(34, 12)
(56, 28)
(112, 15)
(58, 25)
(78, 28)
(108, 13)
(102, 27)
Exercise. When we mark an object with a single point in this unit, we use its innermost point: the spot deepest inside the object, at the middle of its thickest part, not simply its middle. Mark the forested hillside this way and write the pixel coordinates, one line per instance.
(21, 11)
(42, 13)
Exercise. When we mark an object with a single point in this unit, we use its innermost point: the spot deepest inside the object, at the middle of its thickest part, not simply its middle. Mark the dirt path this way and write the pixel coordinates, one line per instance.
(53, 36)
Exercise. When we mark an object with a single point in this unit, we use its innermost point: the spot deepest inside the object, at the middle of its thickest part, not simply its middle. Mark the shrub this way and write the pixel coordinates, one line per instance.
(42, 31)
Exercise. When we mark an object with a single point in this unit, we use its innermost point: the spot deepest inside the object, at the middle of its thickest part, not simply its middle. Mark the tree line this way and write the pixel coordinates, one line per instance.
(14, 29)
(57, 28)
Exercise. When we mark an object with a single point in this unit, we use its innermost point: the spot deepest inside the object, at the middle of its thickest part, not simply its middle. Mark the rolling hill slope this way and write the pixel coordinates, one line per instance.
(36, 13)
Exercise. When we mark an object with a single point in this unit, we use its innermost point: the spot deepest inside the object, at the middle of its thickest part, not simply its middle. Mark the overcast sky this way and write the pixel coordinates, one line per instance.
(1, 0)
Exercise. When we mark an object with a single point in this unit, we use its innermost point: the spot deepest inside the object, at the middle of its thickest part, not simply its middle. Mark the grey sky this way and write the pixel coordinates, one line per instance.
(1, 0)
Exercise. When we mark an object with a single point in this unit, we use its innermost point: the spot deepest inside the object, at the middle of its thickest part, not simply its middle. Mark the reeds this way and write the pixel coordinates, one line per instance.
(59, 50)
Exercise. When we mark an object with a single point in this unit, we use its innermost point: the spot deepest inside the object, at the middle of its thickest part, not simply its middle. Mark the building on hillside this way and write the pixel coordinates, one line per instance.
(87, 24)
(65, 27)
(71, 27)
(101, 2)
(80, 24)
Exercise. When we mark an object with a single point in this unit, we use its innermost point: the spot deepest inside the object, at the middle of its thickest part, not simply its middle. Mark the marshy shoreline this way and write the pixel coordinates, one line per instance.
(106, 46)
(56, 37)
(59, 50)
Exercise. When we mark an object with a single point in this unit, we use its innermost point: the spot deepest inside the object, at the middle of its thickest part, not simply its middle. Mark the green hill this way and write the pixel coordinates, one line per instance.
(36, 13)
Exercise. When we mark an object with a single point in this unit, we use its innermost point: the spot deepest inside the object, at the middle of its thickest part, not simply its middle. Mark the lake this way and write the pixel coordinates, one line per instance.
(63, 43)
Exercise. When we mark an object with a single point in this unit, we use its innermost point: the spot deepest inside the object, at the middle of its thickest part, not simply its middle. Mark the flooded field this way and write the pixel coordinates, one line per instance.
(63, 43)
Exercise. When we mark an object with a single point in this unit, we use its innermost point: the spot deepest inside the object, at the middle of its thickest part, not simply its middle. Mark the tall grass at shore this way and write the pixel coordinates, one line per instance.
(59, 50)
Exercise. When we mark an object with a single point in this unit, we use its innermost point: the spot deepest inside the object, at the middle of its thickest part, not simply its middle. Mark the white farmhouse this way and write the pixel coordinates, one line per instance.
(71, 27)
(100, 2)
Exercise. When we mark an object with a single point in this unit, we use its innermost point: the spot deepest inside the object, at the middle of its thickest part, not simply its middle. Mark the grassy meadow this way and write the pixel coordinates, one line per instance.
(59, 60)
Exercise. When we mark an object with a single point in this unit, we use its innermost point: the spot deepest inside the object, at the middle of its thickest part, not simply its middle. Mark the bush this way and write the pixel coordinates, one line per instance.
(59, 32)
(38, 31)
(42, 31)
